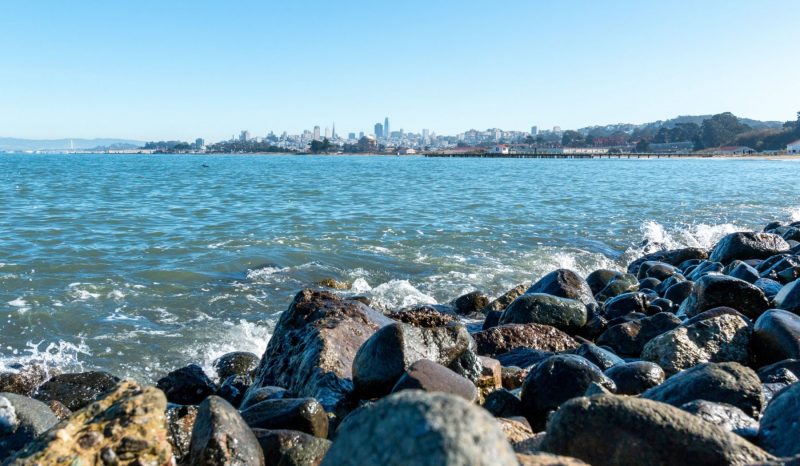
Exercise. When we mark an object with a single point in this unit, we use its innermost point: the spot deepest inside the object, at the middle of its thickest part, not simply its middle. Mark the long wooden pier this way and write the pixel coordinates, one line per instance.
(544, 155)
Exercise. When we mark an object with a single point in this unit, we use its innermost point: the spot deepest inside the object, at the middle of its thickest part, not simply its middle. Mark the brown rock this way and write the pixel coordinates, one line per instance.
(498, 340)
(180, 422)
(423, 316)
(502, 301)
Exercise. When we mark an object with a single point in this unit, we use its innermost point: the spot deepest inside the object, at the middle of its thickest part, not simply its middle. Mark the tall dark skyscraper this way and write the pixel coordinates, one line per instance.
(386, 132)
(378, 130)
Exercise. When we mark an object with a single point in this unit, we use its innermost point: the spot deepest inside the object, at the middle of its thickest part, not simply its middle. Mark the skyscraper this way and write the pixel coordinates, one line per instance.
(316, 133)
(244, 136)
(327, 133)
(333, 131)
(386, 132)
(534, 130)
(378, 130)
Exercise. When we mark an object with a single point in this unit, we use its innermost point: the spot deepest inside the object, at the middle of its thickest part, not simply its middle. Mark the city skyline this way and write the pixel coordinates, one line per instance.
(151, 71)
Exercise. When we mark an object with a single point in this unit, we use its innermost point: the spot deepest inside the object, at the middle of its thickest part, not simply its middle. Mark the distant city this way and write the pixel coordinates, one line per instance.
(722, 133)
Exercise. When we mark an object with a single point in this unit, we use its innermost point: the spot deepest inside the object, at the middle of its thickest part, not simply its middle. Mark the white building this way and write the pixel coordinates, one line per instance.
(793, 147)
(499, 149)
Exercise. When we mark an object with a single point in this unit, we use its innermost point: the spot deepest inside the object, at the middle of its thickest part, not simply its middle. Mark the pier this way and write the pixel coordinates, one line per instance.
(545, 155)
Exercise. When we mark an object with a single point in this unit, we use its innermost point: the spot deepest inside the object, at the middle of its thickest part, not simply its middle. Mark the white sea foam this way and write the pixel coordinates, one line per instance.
(794, 213)
(62, 355)
(396, 294)
(236, 336)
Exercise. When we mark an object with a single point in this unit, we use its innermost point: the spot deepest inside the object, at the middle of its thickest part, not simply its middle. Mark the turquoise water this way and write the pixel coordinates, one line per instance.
(139, 264)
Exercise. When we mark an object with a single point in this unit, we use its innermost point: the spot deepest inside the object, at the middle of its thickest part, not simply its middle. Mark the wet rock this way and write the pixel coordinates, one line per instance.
(312, 349)
(221, 436)
(291, 448)
(742, 271)
(523, 358)
(703, 269)
(385, 356)
(595, 327)
(187, 386)
(747, 245)
(788, 298)
(470, 303)
(599, 279)
(303, 414)
(233, 389)
(22, 419)
(600, 357)
(776, 336)
(786, 263)
(252, 397)
(501, 303)
(725, 416)
(649, 283)
(779, 427)
(503, 403)
(564, 283)
(513, 376)
(415, 427)
(787, 370)
(672, 257)
(423, 316)
(334, 284)
(625, 303)
(556, 380)
(678, 292)
(717, 339)
(618, 430)
(236, 363)
(76, 390)
(180, 423)
(24, 380)
(625, 283)
(660, 305)
(126, 426)
(432, 377)
(726, 382)
(719, 290)
(629, 338)
(769, 287)
(58, 408)
(655, 269)
(666, 284)
(567, 315)
(635, 377)
(502, 339)
(492, 319)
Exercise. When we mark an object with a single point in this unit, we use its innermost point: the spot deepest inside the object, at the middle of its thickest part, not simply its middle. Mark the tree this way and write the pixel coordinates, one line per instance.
(320, 146)
(572, 138)
(643, 145)
(721, 129)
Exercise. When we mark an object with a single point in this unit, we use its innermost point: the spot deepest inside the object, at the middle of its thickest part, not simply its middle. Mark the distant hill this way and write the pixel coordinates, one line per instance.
(671, 123)
(12, 144)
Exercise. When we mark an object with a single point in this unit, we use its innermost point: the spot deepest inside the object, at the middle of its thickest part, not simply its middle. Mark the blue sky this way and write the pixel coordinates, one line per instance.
(185, 69)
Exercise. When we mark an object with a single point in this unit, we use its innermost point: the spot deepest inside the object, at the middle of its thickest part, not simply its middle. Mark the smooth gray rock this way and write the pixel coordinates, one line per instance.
(21, 420)
(635, 377)
(776, 336)
(568, 315)
(221, 436)
(725, 416)
(720, 290)
(788, 298)
(780, 429)
(564, 283)
(747, 245)
(432, 377)
(302, 414)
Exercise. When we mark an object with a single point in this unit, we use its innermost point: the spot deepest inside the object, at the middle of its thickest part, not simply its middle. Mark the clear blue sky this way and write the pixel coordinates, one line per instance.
(161, 69)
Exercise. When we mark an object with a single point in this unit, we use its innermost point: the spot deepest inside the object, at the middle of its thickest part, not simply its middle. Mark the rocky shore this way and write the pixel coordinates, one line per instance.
(689, 356)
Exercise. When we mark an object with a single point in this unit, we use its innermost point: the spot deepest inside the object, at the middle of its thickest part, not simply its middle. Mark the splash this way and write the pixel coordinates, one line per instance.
(396, 294)
(236, 336)
(63, 355)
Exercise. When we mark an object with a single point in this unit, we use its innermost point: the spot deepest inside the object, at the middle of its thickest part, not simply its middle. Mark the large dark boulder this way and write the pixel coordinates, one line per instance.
(635, 377)
(780, 429)
(312, 349)
(564, 283)
(423, 316)
(470, 303)
(78, 389)
(626, 303)
(672, 257)
(678, 292)
(556, 380)
(624, 283)
(720, 290)
(724, 415)
(220, 436)
(788, 298)
(303, 414)
(776, 336)
(726, 382)
(523, 358)
(432, 377)
(187, 386)
(568, 315)
(747, 245)
(704, 268)
(600, 278)
(291, 448)
(236, 363)
(629, 338)
(769, 287)
(415, 427)
(742, 271)
(502, 339)
(23, 379)
(609, 430)
(787, 370)
(600, 357)
(385, 356)
(22, 419)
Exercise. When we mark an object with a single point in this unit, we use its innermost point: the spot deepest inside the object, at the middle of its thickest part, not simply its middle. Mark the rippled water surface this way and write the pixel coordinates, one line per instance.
(139, 264)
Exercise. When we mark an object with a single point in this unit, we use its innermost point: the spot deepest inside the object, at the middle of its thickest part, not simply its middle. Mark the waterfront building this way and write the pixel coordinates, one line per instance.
(368, 144)
(736, 150)
(793, 147)
(499, 149)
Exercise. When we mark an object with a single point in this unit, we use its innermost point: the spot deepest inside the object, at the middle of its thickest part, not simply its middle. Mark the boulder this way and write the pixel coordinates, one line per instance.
(180, 423)
(625, 283)
(502, 339)
(725, 416)
(779, 427)
(672, 257)
(720, 290)
(619, 431)
(22, 419)
(556, 380)
(726, 382)
(23, 380)
(291, 448)
(567, 315)
(678, 292)
(503, 403)
(625, 303)
(747, 245)
(787, 370)
(236, 363)
(416, 427)
(599, 279)
(769, 287)
(470, 303)
(721, 338)
(501, 302)
(303, 414)
(385, 356)
(221, 436)
(233, 389)
(432, 377)
(703, 269)
(76, 390)
(776, 336)
(187, 386)
(629, 338)
(262, 393)
(600, 357)
(423, 316)
(564, 283)
(656, 269)
(522, 358)
(312, 349)
(635, 377)
(788, 298)
(518, 432)
(126, 426)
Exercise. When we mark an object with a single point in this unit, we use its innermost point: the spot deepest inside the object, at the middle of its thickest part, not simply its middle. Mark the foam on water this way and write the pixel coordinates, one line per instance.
(236, 336)
(394, 294)
(62, 355)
